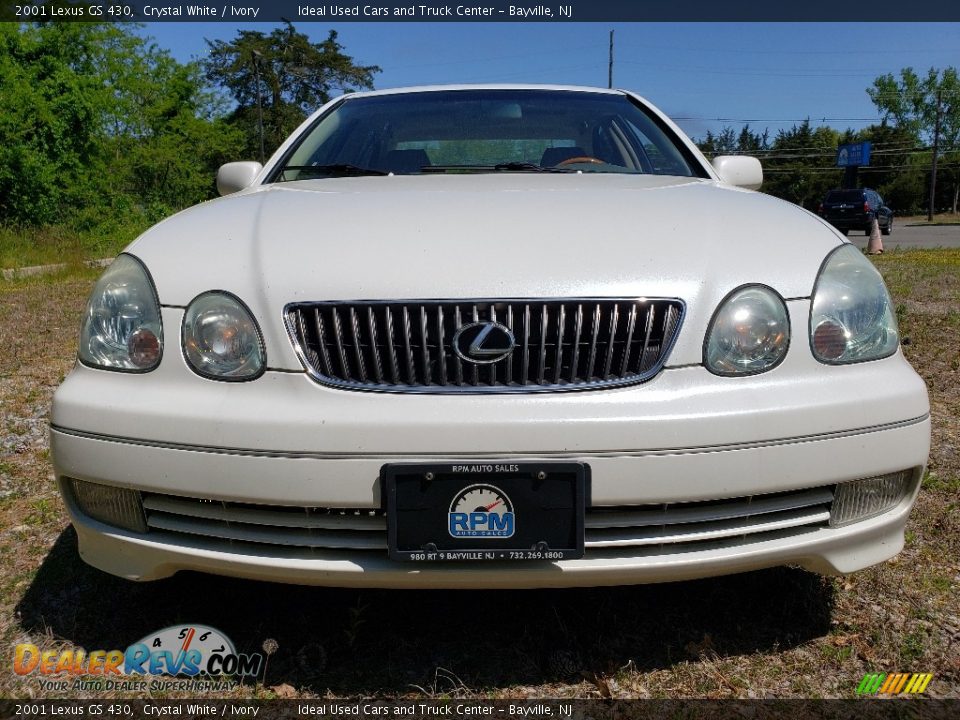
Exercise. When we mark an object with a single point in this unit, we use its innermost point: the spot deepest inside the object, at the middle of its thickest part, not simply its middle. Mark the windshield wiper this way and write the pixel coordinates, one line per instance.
(530, 167)
(334, 170)
(499, 167)
(520, 167)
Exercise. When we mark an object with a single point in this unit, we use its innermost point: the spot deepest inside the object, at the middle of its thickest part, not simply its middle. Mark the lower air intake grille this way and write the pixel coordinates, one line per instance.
(644, 529)
(436, 346)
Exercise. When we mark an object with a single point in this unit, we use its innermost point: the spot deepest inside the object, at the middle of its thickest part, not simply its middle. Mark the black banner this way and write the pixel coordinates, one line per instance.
(299, 11)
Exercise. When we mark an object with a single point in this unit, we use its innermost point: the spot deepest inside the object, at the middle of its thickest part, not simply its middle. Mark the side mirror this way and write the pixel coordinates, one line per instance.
(236, 176)
(740, 170)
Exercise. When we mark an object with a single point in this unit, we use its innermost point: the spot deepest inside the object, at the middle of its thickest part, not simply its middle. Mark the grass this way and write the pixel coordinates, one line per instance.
(780, 633)
(938, 219)
(65, 244)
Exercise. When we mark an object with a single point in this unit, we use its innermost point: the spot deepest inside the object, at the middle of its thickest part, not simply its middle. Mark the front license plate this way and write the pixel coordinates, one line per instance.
(476, 511)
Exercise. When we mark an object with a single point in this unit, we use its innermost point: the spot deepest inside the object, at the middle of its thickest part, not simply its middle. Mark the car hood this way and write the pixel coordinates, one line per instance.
(490, 236)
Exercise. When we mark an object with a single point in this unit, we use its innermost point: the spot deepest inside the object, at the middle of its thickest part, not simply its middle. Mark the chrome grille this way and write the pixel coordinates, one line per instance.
(305, 527)
(560, 344)
(673, 523)
(644, 529)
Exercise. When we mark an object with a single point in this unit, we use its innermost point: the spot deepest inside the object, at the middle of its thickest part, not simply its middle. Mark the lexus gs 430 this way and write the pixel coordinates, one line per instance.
(489, 336)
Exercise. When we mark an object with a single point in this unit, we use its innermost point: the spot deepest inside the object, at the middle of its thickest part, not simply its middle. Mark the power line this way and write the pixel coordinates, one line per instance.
(772, 120)
(565, 51)
(825, 73)
(774, 154)
(833, 153)
(498, 77)
(877, 147)
(743, 51)
(820, 170)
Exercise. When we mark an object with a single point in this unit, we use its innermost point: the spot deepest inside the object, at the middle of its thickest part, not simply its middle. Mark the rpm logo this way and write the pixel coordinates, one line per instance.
(481, 511)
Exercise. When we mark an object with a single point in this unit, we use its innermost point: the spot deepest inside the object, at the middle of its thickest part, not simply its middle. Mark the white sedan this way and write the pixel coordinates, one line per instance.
(489, 336)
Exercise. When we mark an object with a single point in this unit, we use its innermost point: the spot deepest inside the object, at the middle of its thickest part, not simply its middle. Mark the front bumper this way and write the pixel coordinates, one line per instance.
(828, 551)
(684, 437)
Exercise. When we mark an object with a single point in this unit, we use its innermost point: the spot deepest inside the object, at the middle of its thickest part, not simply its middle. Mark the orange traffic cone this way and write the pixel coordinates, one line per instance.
(875, 244)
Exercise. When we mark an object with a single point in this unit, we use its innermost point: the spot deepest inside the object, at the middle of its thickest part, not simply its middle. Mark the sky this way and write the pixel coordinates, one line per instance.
(704, 75)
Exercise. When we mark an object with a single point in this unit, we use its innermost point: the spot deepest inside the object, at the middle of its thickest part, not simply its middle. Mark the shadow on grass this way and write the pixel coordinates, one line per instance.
(369, 641)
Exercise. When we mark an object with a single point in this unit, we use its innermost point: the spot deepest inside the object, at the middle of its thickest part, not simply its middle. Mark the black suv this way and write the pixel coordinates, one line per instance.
(850, 210)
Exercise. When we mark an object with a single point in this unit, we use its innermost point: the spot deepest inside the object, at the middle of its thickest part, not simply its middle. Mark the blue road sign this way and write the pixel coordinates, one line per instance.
(854, 155)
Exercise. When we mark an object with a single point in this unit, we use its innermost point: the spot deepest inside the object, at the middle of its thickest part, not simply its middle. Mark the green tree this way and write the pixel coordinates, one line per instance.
(48, 127)
(99, 123)
(722, 143)
(911, 102)
(918, 104)
(729, 142)
(164, 134)
(899, 168)
(799, 168)
(749, 141)
(286, 74)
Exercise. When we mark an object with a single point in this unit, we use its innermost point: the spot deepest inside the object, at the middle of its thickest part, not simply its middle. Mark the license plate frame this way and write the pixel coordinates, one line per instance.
(480, 511)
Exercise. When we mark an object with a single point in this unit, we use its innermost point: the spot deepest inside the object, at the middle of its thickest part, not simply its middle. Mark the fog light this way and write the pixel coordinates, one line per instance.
(110, 505)
(862, 499)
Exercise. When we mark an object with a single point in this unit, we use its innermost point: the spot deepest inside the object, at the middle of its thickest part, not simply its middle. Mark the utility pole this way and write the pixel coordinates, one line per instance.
(610, 65)
(933, 168)
(256, 72)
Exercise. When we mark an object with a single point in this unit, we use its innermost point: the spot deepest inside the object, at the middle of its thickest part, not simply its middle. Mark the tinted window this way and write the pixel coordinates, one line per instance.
(844, 196)
(475, 130)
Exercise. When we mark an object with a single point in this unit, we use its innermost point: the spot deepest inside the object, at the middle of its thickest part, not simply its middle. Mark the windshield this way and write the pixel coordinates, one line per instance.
(464, 131)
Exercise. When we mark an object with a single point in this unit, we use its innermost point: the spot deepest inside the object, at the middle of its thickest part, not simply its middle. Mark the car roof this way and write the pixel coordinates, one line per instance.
(488, 86)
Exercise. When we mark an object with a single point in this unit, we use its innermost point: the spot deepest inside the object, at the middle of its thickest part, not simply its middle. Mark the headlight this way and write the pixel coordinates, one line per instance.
(850, 316)
(221, 339)
(749, 333)
(121, 329)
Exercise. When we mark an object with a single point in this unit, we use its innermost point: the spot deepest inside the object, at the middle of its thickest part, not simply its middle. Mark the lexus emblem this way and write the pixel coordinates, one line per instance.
(483, 343)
